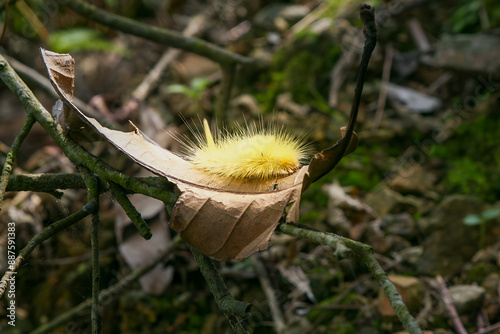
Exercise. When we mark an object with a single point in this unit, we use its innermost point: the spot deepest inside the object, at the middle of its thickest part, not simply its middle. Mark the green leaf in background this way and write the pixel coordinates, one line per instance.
(78, 39)
(178, 89)
(491, 214)
(196, 87)
(199, 84)
(472, 220)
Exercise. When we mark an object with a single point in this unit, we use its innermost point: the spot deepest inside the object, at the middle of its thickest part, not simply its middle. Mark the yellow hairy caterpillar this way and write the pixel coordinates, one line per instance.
(253, 152)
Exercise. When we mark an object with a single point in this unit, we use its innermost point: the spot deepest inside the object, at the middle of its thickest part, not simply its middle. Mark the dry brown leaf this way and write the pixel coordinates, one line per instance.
(222, 218)
(61, 70)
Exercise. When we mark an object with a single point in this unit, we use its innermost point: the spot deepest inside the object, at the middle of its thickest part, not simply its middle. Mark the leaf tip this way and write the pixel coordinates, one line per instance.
(134, 128)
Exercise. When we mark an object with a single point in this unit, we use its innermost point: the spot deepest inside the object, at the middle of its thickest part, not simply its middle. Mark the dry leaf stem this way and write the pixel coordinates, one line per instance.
(107, 295)
(364, 254)
(161, 35)
(367, 14)
(324, 161)
(234, 310)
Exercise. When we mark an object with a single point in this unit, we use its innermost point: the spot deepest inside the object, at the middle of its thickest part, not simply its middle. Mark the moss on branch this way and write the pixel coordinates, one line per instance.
(364, 254)
(234, 310)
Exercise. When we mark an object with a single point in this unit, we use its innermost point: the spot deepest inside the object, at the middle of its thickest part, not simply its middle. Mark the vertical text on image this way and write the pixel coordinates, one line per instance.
(11, 260)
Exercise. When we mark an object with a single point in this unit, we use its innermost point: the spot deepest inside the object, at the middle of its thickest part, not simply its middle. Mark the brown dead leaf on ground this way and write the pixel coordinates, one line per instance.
(222, 218)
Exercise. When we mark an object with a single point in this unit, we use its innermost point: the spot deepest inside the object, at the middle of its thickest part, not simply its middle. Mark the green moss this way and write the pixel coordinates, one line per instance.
(358, 169)
(472, 157)
(303, 69)
(480, 270)
(342, 326)
(466, 18)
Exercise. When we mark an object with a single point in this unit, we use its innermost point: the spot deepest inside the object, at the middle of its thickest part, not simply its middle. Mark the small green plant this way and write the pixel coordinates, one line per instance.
(82, 39)
(481, 220)
(193, 91)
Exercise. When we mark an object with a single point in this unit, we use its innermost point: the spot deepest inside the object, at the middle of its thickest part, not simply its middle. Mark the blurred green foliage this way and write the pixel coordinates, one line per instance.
(467, 16)
(78, 39)
(193, 91)
(473, 157)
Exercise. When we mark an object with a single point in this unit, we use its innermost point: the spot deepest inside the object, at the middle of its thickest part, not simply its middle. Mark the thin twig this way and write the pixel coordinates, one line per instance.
(320, 165)
(418, 34)
(234, 310)
(45, 234)
(450, 307)
(364, 255)
(367, 14)
(160, 35)
(130, 210)
(31, 17)
(386, 75)
(488, 329)
(153, 78)
(440, 81)
(107, 295)
(338, 76)
(8, 167)
(338, 299)
(93, 197)
(265, 283)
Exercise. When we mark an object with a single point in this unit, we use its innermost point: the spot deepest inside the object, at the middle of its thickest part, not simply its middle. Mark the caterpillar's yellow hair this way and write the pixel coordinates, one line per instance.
(252, 152)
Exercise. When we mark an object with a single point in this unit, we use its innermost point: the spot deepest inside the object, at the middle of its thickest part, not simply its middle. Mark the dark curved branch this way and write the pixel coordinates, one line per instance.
(161, 35)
